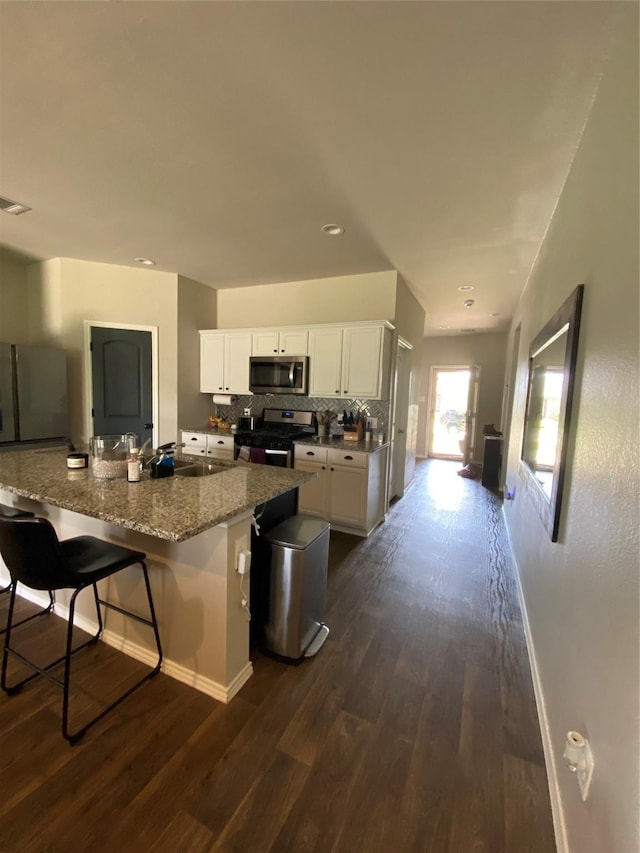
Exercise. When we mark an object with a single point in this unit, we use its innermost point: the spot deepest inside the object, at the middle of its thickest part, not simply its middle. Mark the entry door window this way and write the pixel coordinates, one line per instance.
(449, 406)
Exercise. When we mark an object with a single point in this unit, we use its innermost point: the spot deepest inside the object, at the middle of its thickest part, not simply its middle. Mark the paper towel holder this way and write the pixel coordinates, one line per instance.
(224, 399)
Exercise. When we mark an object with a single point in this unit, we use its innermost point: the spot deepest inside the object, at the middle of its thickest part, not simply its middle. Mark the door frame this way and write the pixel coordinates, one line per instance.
(88, 372)
(394, 447)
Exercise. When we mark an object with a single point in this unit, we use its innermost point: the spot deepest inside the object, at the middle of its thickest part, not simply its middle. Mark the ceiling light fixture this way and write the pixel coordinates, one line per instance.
(466, 287)
(146, 262)
(13, 207)
(469, 303)
(332, 230)
(444, 327)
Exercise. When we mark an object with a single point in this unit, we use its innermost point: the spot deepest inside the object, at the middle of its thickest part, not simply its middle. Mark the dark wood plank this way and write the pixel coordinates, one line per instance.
(321, 810)
(526, 797)
(183, 835)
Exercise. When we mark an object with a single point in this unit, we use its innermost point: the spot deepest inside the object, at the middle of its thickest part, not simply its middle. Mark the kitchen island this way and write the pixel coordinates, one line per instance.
(192, 530)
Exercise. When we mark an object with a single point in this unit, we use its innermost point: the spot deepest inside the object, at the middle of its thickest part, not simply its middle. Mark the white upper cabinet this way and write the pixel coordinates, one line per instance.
(224, 362)
(348, 361)
(362, 368)
(325, 362)
(351, 361)
(273, 342)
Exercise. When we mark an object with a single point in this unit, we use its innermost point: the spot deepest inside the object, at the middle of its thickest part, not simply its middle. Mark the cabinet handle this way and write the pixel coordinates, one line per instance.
(331, 469)
(193, 438)
(219, 387)
(275, 350)
(221, 441)
(281, 350)
(345, 391)
(349, 457)
(337, 390)
(310, 453)
(227, 388)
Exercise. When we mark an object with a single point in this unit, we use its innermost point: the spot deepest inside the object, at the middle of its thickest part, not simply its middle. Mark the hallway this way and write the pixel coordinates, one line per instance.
(415, 728)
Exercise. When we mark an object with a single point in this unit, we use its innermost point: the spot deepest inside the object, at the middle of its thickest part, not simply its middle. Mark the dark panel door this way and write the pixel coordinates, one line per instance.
(122, 382)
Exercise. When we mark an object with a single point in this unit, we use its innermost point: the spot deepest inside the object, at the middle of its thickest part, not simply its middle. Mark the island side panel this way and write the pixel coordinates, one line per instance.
(203, 628)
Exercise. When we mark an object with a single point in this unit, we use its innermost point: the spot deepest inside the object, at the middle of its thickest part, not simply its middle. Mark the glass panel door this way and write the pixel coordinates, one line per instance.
(449, 415)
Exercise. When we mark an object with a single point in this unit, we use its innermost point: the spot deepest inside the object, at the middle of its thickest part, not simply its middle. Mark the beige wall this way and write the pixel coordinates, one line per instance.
(14, 304)
(72, 291)
(582, 593)
(196, 310)
(487, 350)
(370, 296)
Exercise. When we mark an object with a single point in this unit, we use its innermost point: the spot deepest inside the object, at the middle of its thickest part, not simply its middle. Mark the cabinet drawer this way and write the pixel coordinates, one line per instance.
(347, 458)
(220, 442)
(311, 454)
(219, 453)
(193, 439)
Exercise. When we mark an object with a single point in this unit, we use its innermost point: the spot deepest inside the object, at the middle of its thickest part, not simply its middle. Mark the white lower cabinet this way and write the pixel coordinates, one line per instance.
(349, 489)
(208, 444)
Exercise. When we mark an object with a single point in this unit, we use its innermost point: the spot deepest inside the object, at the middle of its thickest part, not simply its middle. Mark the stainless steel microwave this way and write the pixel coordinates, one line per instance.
(279, 374)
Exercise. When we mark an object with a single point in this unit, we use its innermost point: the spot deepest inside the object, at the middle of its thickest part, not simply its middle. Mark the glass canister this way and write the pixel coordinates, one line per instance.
(109, 455)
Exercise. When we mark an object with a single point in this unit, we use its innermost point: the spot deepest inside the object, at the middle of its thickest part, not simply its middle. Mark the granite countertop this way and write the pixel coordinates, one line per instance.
(337, 443)
(173, 508)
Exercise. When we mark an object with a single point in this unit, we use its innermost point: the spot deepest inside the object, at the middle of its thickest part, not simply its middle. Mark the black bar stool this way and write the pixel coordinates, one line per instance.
(36, 558)
(12, 512)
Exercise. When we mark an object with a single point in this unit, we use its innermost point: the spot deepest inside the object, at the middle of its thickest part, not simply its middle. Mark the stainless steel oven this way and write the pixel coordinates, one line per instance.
(278, 458)
(278, 374)
(271, 442)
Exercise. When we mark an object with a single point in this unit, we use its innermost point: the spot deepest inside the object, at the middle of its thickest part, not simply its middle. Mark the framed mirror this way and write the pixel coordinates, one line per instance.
(552, 365)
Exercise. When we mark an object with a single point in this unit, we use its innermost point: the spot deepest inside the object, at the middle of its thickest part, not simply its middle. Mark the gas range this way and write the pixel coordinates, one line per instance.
(278, 429)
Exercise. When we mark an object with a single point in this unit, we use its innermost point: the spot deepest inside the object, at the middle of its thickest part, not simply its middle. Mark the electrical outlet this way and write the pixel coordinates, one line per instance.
(585, 771)
(578, 755)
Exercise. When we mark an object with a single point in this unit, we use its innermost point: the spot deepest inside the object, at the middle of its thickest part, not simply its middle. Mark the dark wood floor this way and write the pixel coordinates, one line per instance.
(414, 729)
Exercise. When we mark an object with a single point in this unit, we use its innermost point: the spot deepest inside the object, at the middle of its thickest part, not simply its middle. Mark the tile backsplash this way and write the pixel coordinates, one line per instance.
(257, 402)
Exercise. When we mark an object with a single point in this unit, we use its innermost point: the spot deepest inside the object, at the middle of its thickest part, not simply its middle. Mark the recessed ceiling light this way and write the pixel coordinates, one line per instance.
(465, 288)
(469, 303)
(444, 327)
(332, 229)
(146, 262)
(13, 207)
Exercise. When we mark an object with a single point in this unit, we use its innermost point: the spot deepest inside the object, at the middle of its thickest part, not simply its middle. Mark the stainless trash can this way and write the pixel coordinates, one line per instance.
(295, 626)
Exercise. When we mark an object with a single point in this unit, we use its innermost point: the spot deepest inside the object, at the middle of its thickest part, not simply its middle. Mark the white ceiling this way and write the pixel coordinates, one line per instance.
(218, 137)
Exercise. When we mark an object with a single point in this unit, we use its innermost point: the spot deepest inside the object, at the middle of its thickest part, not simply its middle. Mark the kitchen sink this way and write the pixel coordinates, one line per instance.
(196, 469)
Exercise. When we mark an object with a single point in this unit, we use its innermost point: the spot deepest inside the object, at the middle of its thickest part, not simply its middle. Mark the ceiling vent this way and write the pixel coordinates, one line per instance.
(13, 207)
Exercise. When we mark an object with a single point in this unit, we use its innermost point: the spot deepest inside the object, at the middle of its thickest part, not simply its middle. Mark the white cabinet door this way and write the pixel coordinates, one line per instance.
(212, 363)
(312, 496)
(237, 350)
(288, 342)
(266, 342)
(294, 342)
(348, 495)
(361, 363)
(325, 362)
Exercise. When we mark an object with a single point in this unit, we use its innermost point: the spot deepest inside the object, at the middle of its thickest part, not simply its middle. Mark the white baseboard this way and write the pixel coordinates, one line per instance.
(174, 670)
(547, 746)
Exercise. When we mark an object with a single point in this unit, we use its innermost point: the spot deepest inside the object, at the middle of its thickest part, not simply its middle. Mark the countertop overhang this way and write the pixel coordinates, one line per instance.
(173, 508)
